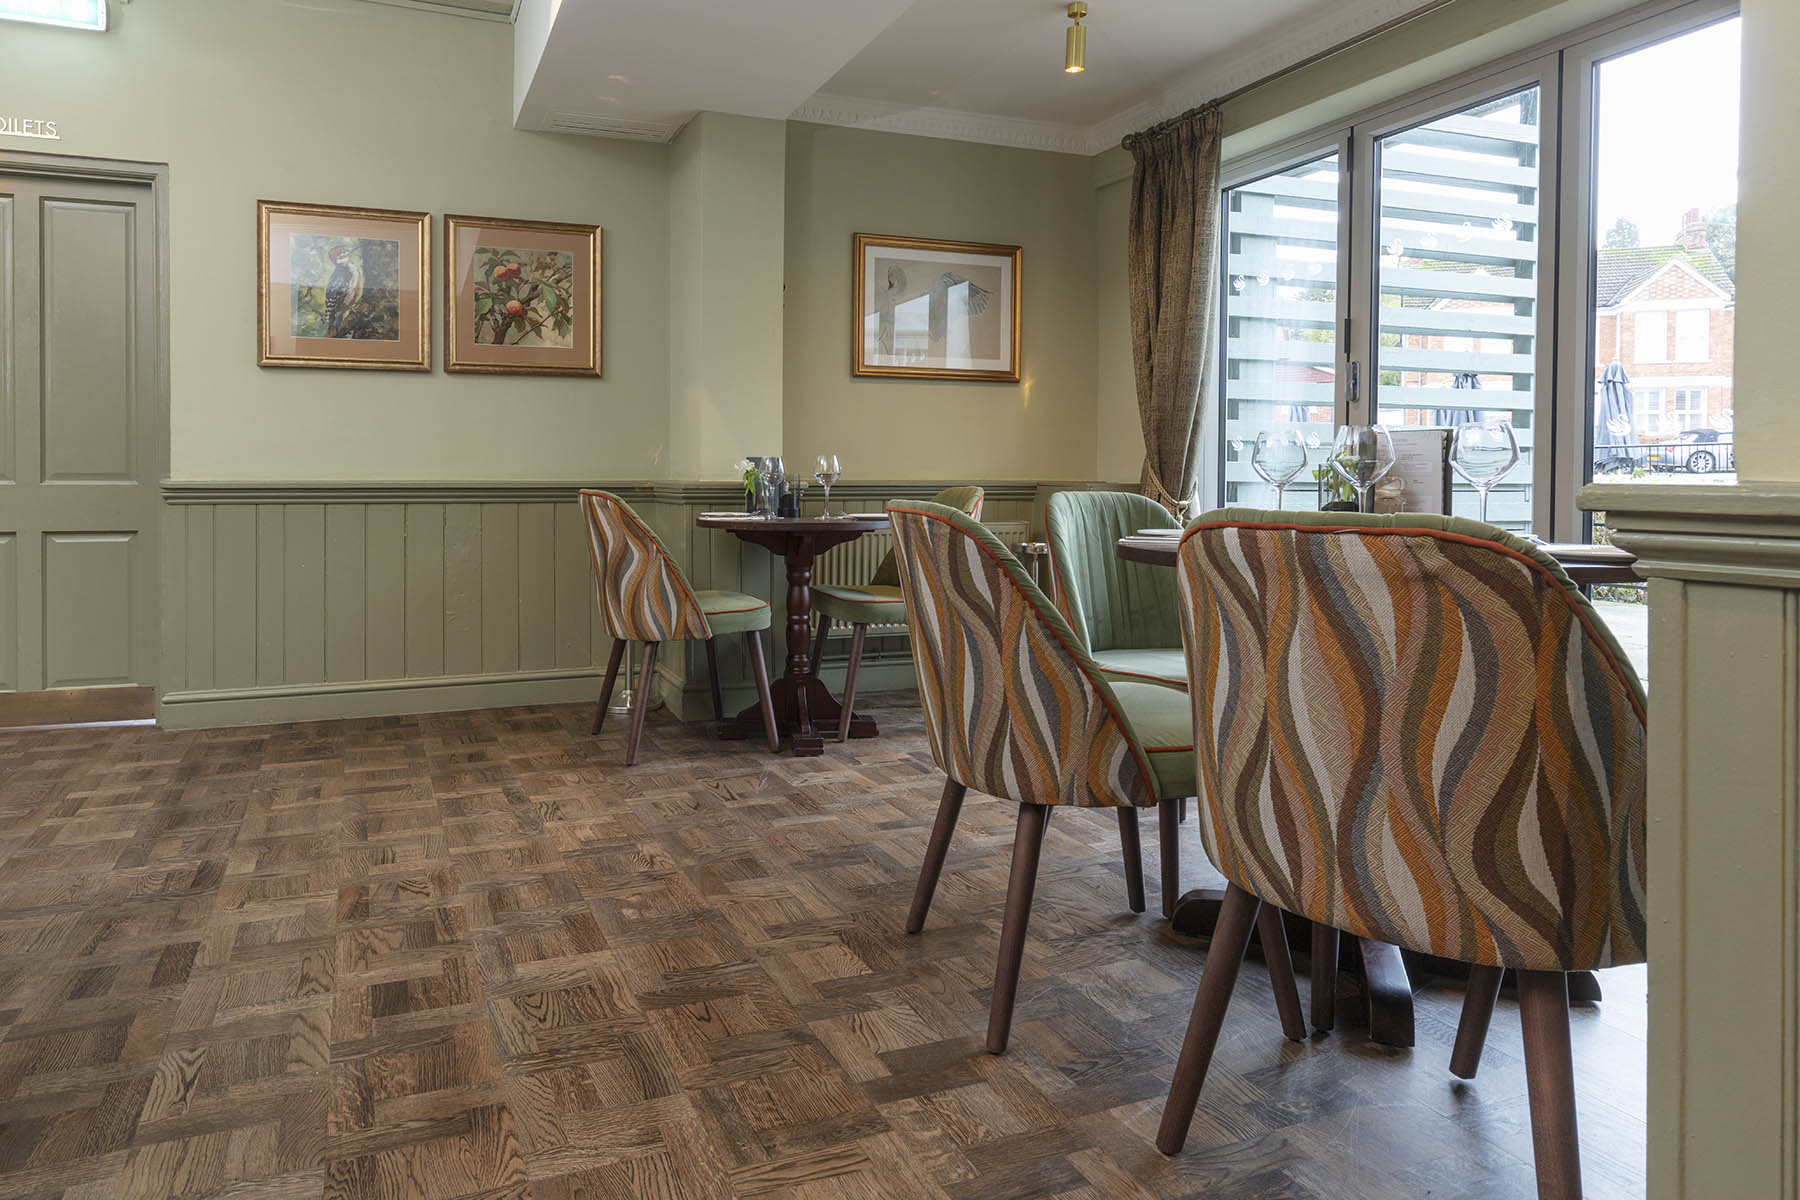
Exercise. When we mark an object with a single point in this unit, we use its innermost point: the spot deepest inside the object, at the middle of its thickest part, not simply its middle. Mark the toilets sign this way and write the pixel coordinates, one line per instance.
(31, 127)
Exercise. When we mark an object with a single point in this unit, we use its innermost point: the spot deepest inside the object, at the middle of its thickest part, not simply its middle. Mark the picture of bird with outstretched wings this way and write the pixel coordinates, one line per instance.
(951, 297)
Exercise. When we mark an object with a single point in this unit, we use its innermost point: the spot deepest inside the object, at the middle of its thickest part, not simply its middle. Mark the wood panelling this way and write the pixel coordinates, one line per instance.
(286, 596)
(279, 592)
(90, 362)
(9, 612)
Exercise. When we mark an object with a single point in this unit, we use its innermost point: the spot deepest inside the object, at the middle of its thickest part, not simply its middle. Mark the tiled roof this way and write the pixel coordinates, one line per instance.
(1621, 271)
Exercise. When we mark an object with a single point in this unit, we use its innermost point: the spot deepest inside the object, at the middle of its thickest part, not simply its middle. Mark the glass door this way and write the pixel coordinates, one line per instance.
(1456, 311)
(1281, 357)
(1649, 329)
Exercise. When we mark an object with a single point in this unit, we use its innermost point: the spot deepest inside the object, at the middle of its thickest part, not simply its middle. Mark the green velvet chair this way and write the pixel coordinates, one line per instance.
(1124, 612)
(1015, 708)
(877, 602)
(645, 598)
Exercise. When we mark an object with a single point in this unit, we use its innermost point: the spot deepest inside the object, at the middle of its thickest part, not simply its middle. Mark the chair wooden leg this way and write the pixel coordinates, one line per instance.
(1281, 971)
(858, 632)
(1550, 1081)
(1223, 958)
(1324, 976)
(818, 654)
(949, 808)
(764, 701)
(1168, 846)
(1478, 1009)
(1134, 857)
(606, 685)
(712, 674)
(1028, 844)
(645, 680)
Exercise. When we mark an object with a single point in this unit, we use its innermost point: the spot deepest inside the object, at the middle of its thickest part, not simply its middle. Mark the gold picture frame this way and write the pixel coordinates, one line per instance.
(930, 308)
(522, 297)
(342, 287)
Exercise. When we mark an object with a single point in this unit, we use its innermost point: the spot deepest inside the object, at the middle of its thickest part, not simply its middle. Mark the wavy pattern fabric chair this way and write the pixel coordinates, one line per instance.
(1124, 612)
(1414, 729)
(645, 598)
(1014, 707)
(877, 602)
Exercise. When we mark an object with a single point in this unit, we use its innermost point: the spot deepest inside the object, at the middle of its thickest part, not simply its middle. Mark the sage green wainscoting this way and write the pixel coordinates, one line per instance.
(307, 601)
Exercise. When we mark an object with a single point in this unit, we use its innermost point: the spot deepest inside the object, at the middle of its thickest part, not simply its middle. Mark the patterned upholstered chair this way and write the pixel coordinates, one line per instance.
(1416, 730)
(877, 602)
(1014, 707)
(645, 598)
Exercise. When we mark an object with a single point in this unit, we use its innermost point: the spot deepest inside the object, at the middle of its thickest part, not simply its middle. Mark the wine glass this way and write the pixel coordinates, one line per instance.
(1483, 452)
(825, 471)
(1280, 454)
(1362, 455)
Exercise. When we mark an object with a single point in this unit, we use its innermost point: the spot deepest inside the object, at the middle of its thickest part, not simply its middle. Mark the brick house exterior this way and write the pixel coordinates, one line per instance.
(1666, 315)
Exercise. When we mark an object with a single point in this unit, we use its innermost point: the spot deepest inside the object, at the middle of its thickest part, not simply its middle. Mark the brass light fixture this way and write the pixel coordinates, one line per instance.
(1075, 54)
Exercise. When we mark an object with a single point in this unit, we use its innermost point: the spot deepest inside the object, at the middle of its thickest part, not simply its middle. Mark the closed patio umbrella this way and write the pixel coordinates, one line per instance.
(1614, 421)
(1452, 417)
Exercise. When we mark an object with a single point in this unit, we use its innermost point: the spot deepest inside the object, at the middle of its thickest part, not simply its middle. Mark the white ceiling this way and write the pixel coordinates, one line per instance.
(978, 70)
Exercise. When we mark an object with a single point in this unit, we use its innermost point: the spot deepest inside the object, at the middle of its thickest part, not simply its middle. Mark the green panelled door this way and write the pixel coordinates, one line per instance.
(79, 446)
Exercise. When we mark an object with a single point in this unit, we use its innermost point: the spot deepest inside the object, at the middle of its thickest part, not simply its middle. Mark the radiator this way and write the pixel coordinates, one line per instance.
(851, 564)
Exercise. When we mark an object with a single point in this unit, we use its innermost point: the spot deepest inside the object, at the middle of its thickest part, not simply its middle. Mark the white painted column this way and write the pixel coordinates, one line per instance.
(1724, 812)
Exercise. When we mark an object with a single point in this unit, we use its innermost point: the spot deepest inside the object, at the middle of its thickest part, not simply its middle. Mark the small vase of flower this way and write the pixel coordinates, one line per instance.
(748, 470)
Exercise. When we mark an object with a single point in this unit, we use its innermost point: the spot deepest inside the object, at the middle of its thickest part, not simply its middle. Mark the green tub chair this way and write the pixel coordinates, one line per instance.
(877, 602)
(1124, 612)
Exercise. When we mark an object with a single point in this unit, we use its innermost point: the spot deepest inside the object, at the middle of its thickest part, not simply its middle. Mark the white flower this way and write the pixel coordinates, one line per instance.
(742, 465)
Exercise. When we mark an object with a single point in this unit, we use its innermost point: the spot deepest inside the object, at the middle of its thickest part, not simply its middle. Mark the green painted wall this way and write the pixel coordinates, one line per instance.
(341, 102)
(726, 188)
(845, 181)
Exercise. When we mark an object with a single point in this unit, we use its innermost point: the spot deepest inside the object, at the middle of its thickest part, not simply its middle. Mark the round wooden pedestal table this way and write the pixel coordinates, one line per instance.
(805, 710)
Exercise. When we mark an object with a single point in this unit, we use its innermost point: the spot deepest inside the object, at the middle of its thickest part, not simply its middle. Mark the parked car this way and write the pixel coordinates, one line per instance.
(1698, 452)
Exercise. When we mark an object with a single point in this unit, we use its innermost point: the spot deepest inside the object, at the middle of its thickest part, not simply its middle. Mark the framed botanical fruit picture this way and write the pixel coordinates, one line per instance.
(343, 287)
(521, 297)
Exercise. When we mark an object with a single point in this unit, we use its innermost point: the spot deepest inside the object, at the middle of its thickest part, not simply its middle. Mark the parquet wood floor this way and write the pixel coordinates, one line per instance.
(469, 955)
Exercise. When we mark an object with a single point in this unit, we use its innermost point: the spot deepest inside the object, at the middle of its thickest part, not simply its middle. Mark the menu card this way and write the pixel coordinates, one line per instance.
(1420, 479)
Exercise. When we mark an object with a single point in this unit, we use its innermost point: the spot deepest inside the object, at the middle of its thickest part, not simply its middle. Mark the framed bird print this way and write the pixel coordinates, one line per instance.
(932, 309)
(343, 287)
(521, 297)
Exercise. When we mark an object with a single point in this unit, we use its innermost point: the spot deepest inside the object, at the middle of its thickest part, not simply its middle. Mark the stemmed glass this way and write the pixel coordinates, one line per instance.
(1362, 455)
(1483, 452)
(772, 474)
(825, 471)
(1280, 454)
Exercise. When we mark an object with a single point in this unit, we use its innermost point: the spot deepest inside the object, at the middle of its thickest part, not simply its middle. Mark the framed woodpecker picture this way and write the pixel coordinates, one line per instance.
(343, 287)
(521, 297)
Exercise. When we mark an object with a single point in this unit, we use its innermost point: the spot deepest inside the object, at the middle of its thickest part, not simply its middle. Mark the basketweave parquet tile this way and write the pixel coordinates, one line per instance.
(468, 956)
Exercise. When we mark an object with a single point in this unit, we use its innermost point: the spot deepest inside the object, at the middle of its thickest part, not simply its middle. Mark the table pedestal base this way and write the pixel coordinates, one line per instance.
(1380, 966)
(806, 713)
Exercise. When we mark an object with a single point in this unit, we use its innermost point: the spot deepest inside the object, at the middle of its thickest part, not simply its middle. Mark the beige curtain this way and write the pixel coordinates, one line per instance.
(1173, 265)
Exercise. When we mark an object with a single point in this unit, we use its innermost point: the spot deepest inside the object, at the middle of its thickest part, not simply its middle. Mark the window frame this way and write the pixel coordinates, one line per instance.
(1564, 68)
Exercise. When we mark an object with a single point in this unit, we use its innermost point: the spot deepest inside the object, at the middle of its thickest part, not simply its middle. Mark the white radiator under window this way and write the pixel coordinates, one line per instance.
(852, 564)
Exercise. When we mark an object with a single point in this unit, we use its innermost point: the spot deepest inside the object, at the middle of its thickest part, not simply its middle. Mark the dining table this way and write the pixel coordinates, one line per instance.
(805, 710)
(1386, 982)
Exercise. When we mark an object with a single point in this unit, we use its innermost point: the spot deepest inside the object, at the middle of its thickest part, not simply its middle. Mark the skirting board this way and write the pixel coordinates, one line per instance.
(375, 698)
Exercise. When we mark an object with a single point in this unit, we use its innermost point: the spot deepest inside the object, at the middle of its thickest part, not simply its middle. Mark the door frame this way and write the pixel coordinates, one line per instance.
(154, 175)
